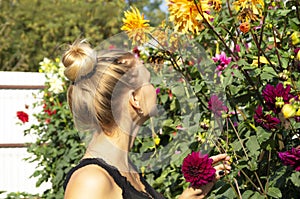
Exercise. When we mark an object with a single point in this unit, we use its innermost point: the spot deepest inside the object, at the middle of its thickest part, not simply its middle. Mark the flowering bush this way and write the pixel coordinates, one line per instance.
(237, 92)
(227, 76)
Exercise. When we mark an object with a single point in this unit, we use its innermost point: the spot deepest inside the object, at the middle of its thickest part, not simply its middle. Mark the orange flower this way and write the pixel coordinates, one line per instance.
(245, 27)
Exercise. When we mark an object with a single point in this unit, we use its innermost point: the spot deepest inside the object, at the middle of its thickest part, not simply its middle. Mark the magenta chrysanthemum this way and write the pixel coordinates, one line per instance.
(266, 121)
(270, 93)
(291, 158)
(197, 169)
(216, 105)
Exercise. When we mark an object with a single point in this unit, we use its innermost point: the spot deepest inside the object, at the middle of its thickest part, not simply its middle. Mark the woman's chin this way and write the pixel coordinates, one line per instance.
(153, 112)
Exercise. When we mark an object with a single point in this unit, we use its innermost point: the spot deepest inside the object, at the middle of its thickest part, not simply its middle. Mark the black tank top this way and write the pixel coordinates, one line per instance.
(128, 191)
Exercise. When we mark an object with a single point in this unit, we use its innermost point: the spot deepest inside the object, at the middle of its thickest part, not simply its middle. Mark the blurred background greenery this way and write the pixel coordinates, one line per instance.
(33, 29)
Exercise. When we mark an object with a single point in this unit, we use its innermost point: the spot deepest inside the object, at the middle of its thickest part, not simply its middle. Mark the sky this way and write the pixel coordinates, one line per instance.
(164, 6)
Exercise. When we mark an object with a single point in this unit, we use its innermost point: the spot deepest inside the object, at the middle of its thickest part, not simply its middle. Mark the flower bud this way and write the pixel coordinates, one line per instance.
(283, 76)
(288, 111)
(245, 27)
(156, 140)
(270, 26)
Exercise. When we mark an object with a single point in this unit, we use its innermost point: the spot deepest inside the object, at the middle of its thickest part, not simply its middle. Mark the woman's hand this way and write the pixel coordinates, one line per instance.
(222, 166)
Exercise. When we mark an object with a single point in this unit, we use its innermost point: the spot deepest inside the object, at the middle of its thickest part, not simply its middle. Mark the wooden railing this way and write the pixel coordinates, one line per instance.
(22, 87)
(14, 145)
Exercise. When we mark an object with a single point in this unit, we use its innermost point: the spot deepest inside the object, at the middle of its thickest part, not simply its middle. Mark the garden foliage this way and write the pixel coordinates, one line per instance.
(235, 90)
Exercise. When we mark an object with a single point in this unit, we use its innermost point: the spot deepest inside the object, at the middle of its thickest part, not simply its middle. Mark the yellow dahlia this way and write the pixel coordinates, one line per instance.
(249, 9)
(135, 25)
(185, 16)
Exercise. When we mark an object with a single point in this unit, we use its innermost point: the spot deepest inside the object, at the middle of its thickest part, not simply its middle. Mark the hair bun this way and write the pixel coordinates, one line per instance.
(79, 57)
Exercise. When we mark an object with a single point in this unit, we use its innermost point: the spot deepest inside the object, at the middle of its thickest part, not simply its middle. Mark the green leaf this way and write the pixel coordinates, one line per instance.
(295, 178)
(268, 73)
(274, 192)
(284, 63)
(178, 90)
(247, 194)
(262, 135)
(227, 80)
(236, 145)
(164, 98)
(253, 146)
(257, 195)
(283, 12)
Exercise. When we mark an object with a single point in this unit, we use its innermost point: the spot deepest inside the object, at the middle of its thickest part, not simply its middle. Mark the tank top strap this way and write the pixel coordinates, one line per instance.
(113, 172)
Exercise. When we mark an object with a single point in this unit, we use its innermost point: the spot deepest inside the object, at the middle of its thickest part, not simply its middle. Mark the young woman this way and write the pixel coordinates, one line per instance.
(111, 97)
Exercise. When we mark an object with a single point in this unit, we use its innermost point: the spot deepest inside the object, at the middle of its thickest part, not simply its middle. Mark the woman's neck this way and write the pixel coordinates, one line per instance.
(114, 149)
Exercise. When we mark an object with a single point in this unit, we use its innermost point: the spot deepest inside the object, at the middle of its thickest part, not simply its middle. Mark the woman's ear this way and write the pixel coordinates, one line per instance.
(134, 102)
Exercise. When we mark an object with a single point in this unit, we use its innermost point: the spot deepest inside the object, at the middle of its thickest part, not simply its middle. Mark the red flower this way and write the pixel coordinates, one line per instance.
(266, 121)
(270, 93)
(48, 110)
(197, 169)
(291, 158)
(22, 116)
(216, 105)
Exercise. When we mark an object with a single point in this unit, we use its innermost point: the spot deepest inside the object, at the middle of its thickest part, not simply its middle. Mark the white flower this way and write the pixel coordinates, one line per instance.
(56, 84)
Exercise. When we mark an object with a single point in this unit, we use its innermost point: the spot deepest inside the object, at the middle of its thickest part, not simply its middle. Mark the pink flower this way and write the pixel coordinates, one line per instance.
(237, 48)
(222, 62)
(291, 158)
(197, 169)
(22, 116)
(216, 106)
(157, 91)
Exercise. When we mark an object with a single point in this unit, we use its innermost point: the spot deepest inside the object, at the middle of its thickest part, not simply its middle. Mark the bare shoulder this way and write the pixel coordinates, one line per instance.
(90, 182)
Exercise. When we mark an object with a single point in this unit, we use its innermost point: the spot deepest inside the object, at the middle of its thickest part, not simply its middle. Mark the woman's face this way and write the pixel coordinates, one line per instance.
(146, 91)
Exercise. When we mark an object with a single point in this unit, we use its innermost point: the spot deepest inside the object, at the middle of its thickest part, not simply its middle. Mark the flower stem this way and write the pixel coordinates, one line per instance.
(229, 9)
(254, 185)
(276, 50)
(237, 188)
(237, 134)
(259, 50)
(259, 182)
(268, 171)
(212, 28)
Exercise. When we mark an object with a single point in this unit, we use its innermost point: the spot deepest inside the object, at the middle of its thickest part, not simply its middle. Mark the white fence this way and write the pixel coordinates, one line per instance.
(16, 91)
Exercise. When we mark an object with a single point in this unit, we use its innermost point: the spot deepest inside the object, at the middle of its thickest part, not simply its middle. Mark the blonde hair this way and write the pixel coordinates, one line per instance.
(94, 76)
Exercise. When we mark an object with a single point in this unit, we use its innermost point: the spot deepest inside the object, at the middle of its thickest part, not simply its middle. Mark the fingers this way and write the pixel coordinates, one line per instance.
(223, 167)
(220, 157)
(222, 170)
